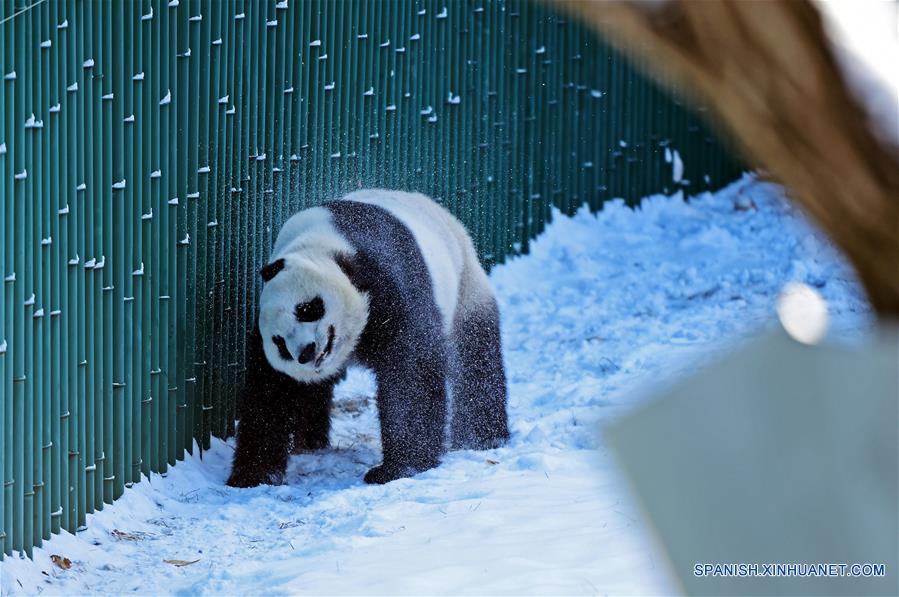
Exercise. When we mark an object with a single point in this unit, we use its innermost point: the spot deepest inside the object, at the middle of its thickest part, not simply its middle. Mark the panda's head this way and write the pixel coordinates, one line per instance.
(311, 316)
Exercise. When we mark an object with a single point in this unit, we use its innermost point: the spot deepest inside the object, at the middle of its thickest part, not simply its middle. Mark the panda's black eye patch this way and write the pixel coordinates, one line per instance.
(279, 342)
(310, 311)
(271, 270)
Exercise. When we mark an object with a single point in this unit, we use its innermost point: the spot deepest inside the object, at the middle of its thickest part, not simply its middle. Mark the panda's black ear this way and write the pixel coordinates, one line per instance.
(346, 263)
(271, 270)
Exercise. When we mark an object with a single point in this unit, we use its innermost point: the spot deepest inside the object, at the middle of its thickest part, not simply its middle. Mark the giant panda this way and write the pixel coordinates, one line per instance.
(390, 281)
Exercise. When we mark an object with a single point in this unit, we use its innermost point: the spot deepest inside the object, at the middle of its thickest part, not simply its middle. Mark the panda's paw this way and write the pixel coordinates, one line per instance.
(381, 474)
(253, 478)
(387, 472)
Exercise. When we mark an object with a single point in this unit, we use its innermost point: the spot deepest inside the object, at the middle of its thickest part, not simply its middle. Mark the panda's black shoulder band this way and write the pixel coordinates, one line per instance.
(271, 270)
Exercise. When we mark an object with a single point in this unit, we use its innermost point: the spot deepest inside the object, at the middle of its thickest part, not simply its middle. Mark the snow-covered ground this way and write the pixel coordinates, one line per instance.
(605, 308)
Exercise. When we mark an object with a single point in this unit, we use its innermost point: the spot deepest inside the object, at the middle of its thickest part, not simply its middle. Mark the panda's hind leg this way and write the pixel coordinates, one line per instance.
(479, 420)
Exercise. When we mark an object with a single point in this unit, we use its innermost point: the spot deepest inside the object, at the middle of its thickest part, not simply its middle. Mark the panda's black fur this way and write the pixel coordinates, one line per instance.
(404, 342)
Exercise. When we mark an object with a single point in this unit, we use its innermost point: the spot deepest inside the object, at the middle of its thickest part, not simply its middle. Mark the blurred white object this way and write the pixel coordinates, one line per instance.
(803, 313)
(865, 39)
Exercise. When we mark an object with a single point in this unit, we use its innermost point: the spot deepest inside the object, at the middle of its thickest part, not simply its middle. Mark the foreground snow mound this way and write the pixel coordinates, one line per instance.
(605, 304)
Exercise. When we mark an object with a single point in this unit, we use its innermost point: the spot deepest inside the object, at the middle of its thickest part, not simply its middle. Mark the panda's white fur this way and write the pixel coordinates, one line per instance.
(308, 242)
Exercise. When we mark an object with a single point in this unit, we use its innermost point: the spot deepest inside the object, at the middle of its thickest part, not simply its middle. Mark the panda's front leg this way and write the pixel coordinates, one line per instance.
(267, 419)
(311, 424)
(270, 406)
(412, 411)
(263, 439)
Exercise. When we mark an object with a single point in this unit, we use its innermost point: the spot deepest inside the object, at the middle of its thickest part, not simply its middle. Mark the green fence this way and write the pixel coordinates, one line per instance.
(149, 151)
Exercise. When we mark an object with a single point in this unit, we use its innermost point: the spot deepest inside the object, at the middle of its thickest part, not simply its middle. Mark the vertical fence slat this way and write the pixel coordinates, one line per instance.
(5, 308)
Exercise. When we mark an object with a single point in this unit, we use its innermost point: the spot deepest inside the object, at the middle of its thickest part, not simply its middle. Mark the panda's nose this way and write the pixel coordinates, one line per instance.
(307, 353)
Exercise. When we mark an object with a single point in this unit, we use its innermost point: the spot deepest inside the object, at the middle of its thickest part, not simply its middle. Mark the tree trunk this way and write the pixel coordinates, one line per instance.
(767, 70)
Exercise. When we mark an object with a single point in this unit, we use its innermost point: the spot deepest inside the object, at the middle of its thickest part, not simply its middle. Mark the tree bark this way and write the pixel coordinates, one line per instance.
(767, 71)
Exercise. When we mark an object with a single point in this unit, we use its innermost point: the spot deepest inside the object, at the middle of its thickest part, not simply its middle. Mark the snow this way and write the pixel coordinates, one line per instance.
(677, 166)
(32, 123)
(605, 308)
